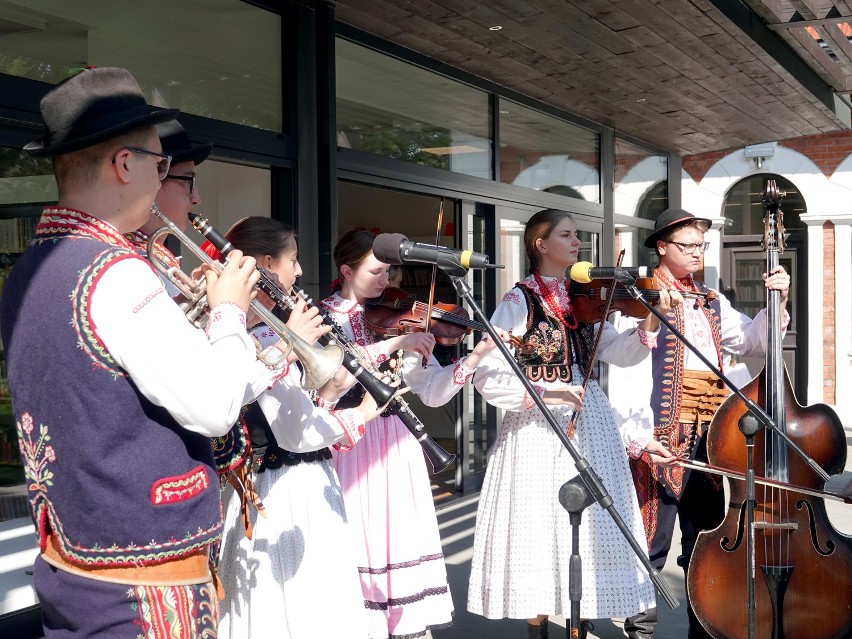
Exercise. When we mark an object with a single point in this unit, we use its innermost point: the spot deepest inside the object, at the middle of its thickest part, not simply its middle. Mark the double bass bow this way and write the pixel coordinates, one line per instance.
(775, 567)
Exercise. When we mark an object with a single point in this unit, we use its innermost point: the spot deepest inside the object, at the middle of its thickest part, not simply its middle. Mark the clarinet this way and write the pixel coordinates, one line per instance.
(363, 371)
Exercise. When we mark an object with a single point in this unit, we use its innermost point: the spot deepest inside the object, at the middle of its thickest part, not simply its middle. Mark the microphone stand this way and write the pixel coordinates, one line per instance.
(590, 478)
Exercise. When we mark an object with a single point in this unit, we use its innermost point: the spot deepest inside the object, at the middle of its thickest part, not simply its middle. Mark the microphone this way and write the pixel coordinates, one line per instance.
(395, 248)
(585, 272)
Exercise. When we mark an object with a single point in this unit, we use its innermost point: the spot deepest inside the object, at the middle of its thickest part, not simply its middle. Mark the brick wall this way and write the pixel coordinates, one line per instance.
(827, 151)
(828, 316)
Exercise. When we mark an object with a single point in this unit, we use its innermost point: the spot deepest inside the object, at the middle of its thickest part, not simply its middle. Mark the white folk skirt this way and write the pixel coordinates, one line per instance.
(522, 542)
(297, 577)
(400, 559)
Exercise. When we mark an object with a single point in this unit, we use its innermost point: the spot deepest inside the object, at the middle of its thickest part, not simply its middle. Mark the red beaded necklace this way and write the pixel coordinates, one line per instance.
(568, 320)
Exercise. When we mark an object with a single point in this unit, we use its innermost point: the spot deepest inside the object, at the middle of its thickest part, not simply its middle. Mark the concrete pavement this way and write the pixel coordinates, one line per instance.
(457, 521)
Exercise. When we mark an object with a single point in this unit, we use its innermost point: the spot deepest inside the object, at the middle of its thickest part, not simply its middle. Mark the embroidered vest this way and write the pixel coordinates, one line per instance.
(253, 435)
(110, 474)
(668, 364)
(548, 350)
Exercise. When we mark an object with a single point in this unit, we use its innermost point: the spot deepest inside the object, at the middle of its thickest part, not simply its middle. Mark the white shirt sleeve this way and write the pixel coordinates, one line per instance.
(435, 385)
(494, 378)
(742, 335)
(298, 425)
(202, 382)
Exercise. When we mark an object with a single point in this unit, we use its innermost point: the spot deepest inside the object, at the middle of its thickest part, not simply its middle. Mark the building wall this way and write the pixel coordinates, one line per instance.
(821, 168)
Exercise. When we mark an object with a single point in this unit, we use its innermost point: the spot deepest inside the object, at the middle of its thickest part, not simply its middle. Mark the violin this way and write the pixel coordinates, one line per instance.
(396, 312)
(775, 567)
(590, 299)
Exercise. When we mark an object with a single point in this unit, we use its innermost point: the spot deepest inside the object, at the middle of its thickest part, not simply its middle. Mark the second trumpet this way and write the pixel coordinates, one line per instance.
(319, 364)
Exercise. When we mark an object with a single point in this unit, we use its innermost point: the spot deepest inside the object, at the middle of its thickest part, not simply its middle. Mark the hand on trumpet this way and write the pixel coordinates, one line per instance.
(234, 283)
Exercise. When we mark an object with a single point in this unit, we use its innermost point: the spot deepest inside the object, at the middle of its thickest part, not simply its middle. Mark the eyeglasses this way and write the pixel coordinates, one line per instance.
(184, 178)
(163, 163)
(689, 249)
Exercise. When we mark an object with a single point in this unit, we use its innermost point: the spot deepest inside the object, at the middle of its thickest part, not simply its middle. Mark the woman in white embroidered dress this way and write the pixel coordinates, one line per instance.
(297, 565)
(385, 481)
(522, 541)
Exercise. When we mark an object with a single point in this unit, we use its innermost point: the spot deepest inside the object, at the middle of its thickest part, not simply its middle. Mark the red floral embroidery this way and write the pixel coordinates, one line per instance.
(461, 374)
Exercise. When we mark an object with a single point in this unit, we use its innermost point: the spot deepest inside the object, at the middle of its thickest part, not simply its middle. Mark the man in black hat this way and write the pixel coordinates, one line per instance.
(178, 195)
(114, 393)
(681, 398)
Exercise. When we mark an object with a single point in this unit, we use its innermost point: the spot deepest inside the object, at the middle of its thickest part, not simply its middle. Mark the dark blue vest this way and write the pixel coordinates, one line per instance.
(110, 474)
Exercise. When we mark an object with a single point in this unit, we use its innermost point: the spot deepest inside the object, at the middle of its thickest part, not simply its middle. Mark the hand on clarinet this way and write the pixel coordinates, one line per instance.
(368, 407)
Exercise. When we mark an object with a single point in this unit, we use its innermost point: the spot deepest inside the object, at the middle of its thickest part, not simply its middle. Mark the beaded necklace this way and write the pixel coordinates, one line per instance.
(567, 318)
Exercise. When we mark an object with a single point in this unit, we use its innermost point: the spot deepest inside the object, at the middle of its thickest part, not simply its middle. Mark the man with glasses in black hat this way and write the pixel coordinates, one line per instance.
(114, 393)
(671, 412)
(177, 196)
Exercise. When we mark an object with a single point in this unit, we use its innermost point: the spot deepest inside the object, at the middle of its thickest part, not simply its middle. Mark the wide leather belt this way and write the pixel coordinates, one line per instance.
(703, 393)
(184, 571)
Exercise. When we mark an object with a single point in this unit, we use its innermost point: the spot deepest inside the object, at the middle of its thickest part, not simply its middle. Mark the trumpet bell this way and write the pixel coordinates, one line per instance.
(319, 364)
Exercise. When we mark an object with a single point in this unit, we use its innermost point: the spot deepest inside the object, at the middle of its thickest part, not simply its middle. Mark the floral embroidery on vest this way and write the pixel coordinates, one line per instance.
(36, 454)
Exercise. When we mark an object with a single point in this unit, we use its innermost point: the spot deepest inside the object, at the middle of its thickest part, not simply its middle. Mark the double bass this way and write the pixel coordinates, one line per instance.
(775, 567)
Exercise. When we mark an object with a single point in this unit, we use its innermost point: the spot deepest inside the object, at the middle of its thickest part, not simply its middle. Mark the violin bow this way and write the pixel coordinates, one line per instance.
(425, 361)
(572, 422)
(703, 467)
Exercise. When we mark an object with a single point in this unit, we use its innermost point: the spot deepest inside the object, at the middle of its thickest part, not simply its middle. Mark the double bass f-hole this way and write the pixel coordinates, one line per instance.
(776, 555)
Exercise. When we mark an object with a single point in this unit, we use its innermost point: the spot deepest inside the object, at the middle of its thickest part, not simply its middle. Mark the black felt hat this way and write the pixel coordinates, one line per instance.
(176, 143)
(668, 221)
(92, 106)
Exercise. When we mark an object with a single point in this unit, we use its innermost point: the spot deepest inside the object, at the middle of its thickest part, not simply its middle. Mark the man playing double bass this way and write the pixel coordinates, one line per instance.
(667, 417)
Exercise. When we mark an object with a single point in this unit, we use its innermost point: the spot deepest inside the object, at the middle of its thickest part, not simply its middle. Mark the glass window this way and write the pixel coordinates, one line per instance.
(641, 182)
(26, 184)
(744, 209)
(188, 55)
(400, 111)
(541, 152)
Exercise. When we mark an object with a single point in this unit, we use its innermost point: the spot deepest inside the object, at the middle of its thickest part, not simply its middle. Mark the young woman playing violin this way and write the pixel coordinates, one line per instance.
(385, 482)
(522, 543)
(667, 401)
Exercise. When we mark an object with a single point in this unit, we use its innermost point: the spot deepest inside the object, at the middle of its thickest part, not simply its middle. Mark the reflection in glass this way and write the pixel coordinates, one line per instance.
(397, 110)
(26, 184)
(186, 55)
(641, 182)
(541, 152)
(744, 210)
(632, 240)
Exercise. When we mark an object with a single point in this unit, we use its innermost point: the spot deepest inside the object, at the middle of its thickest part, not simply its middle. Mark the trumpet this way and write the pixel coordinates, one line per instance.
(319, 364)
(367, 375)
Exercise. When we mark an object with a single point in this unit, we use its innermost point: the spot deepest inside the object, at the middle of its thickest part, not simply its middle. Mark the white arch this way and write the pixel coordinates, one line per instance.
(820, 195)
(637, 183)
(560, 170)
